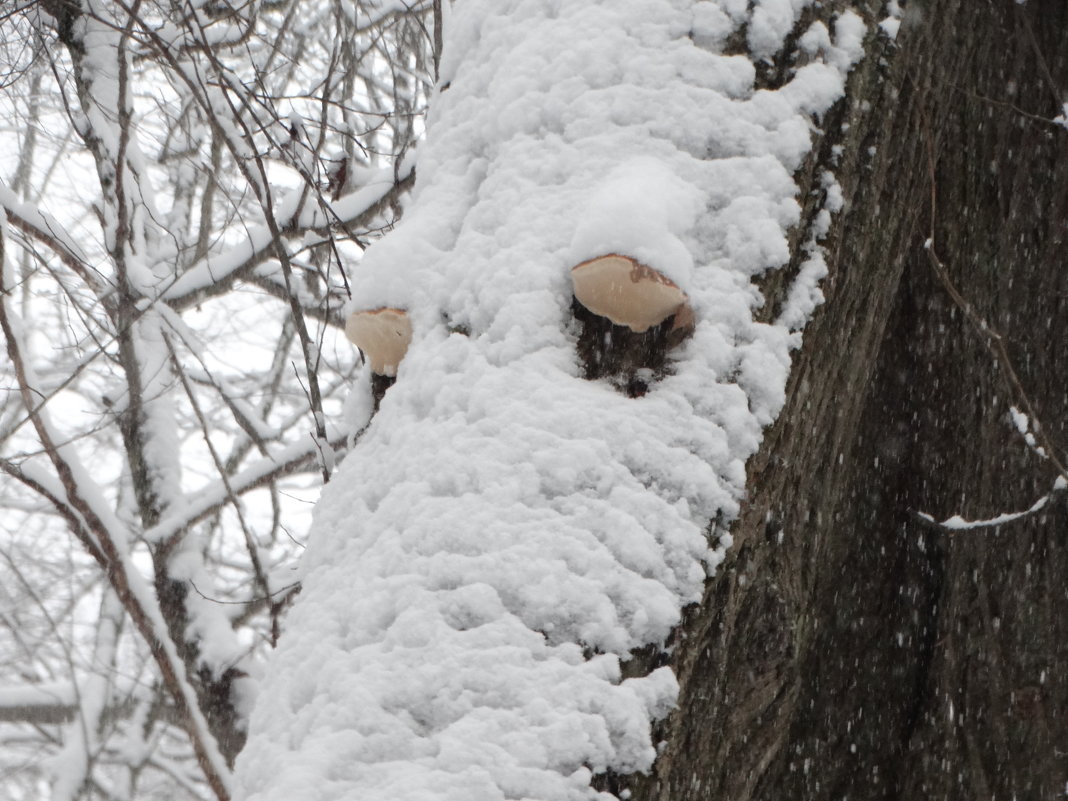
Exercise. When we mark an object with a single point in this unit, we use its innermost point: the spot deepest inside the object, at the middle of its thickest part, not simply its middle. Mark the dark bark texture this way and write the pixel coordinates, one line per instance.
(847, 648)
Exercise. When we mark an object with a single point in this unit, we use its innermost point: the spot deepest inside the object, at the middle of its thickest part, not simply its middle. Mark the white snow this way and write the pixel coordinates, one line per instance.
(770, 23)
(1020, 420)
(891, 24)
(1024, 427)
(505, 532)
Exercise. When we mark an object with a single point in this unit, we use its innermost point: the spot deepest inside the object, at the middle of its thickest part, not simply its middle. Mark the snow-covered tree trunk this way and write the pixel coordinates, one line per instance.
(494, 571)
(529, 510)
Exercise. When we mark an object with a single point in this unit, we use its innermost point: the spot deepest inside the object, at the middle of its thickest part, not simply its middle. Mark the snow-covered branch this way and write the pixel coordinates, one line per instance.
(215, 274)
(46, 230)
(210, 498)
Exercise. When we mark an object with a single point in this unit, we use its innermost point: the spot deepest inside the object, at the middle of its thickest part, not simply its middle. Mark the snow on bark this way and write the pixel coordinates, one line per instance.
(505, 533)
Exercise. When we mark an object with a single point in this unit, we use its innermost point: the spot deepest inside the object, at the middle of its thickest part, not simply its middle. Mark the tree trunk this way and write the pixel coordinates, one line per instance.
(848, 647)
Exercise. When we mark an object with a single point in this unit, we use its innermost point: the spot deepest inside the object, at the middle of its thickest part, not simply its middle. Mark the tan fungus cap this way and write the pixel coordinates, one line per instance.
(383, 335)
(626, 291)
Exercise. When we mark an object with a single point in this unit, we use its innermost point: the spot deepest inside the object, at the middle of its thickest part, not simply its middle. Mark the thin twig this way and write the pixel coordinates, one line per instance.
(991, 339)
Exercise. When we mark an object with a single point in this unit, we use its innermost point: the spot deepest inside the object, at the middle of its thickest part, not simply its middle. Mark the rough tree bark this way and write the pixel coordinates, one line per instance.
(847, 648)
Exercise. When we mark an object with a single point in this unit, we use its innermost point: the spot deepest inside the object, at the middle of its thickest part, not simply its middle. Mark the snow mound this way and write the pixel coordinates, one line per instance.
(506, 532)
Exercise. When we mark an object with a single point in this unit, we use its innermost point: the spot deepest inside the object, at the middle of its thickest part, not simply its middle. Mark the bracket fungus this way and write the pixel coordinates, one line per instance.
(626, 291)
(631, 317)
(383, 335)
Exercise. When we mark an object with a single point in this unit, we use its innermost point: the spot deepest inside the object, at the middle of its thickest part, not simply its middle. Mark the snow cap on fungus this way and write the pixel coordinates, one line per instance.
(626, 291)
(383, 335)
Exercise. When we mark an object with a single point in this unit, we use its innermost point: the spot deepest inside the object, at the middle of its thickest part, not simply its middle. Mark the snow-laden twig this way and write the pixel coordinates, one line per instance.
(215, 274)
(208, 499)
(46, 230)
(958, 523)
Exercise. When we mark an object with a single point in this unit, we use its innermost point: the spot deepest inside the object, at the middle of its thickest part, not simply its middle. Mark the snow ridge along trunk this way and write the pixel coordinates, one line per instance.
(508, 531)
